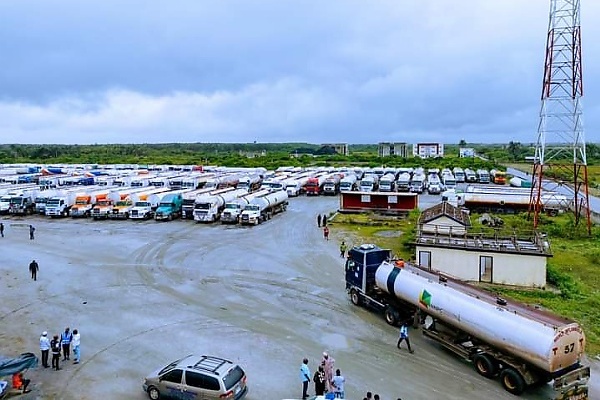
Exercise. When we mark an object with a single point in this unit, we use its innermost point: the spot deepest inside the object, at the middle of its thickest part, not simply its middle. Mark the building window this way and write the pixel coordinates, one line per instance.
(486, 264)
(365, 198)
(425, 259)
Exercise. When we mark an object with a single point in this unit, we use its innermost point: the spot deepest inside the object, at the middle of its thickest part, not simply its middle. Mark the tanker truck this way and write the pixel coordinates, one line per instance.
(263, 208)
(122, 209)
(208, 207)
(233, 209)
(146, 204)
(522, 344)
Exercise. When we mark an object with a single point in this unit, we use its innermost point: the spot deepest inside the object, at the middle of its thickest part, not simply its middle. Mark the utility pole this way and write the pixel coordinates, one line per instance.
(560, 153)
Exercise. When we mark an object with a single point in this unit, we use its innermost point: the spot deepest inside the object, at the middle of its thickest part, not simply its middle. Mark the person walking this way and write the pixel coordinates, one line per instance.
(34, 268)
(328, 364)
(338, 384)
(45, 348)
(1, 229)
(304, 377)
(65, 340)
(55, 347)
(404, 336)
(319, 220)
(324, 221)
(326, 233)
(31, 232)
(76, 342)
(319, 380)
(343, 248)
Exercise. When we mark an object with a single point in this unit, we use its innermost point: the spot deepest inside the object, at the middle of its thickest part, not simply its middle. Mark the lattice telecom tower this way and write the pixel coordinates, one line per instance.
(560, 150)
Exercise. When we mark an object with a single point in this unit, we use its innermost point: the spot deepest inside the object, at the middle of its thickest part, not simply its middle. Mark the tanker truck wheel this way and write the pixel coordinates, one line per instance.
(391, 316)
(512, 381)
(485, 365)
(355, 297)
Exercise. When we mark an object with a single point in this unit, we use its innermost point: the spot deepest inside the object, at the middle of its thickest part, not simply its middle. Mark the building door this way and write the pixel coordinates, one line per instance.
(425, 259)
(486, 264)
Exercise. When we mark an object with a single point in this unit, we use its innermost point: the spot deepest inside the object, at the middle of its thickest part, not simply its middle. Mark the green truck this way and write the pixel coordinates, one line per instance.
(169, 207)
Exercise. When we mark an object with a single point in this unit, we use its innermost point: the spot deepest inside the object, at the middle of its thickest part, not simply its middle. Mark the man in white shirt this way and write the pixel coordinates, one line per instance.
(338, 384)
(45, 348)
(76, 341)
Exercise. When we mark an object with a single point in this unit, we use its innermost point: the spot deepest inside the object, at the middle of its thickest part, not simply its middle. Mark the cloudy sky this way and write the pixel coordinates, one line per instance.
(140, 71)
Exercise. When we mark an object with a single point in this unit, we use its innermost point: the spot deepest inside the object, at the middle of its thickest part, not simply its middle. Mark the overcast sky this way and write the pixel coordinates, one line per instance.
(141, 71)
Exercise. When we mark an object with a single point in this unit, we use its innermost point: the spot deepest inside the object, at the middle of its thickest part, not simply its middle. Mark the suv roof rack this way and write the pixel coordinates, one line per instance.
(211, 364)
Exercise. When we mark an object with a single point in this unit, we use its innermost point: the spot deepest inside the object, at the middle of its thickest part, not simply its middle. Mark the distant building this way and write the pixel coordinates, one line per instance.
(466, 152)
(340, 148)
(386, 149)
(428, 150)
(253, 154)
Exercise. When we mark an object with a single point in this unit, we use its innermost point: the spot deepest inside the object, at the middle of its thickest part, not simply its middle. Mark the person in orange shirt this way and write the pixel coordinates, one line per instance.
(18, 383)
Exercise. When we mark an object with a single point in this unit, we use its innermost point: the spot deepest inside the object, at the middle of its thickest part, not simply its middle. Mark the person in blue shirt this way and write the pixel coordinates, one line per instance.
(304, 377)
(404, 336)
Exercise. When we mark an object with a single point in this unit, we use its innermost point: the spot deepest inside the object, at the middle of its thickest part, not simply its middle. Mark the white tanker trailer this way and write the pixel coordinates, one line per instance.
(522, 344)
(263, 208)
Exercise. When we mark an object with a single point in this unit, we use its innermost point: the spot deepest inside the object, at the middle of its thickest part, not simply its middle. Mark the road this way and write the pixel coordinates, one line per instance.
(144, 294)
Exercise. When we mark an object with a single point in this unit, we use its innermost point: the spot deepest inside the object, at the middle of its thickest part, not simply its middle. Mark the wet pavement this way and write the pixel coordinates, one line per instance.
(143, 294)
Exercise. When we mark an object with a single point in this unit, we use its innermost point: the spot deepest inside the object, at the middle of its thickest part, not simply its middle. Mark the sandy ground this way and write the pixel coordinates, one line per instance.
(143, 294)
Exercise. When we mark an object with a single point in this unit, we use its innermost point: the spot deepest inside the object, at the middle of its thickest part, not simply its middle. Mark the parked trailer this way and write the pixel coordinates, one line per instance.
(208, 207)
(511, 201)
(233, 209)
(523, 345)
(519, 182)
(264, 208)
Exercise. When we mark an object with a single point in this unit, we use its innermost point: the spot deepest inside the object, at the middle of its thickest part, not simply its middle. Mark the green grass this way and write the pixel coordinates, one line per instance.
(573, 273)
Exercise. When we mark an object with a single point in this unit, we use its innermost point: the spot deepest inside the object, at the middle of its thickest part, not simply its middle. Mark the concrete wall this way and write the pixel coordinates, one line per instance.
(508, 269)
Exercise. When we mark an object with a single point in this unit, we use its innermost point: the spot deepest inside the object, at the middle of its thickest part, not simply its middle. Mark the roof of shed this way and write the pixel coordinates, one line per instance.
(445, 209)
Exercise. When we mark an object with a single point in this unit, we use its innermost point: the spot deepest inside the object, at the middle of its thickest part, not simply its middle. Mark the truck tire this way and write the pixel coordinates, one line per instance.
(355, 297)
(391, 316)
(485, 365)
(512, 381)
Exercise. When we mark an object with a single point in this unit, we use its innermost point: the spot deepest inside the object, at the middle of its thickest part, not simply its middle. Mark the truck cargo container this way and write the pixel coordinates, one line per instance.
(520, 182)
(525, 346)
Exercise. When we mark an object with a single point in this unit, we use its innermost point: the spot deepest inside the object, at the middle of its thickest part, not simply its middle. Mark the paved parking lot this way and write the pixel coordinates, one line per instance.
(143, 294)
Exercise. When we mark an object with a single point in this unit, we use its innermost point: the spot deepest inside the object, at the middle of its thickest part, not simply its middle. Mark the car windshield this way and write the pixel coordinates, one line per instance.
(233, 377)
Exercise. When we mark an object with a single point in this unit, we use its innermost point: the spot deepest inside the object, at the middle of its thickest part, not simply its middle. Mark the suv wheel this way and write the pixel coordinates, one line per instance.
(153, 393)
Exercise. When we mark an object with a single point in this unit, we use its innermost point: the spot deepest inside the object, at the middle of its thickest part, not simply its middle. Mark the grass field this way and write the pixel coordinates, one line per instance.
(573, 271)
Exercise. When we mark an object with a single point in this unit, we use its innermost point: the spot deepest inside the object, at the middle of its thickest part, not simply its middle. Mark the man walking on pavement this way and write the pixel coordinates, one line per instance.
(45, 348)
(343, 249)
(1, 229)
(34, 268)
(319, 220)
(324, 221)
(31, 231)
(304, 377)
(326, 233)
(404, 336)
(65, 339)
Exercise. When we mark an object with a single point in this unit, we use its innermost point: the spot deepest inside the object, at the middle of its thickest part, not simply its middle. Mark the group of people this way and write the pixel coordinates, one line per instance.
(67, 341)
(324, 378)
(31, 231)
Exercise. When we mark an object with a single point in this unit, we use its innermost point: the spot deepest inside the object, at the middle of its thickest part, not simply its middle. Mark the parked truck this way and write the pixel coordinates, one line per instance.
(369, 183)
(146, 205)
(22, 202)
(42, 198)
(498, 177)
(348, 182)
(233, 209)
(264, 208)
(403, 182)
(189, 200)
(250, 182)
(525, 346)
(84, 202)
(331, 186)
(122, 208)
(208, 207)
(105, 203)
(169, 207)
(60, 205)
(387, 183)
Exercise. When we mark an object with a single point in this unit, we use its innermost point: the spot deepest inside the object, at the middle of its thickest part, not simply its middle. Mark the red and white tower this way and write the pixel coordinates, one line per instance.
(560, 154)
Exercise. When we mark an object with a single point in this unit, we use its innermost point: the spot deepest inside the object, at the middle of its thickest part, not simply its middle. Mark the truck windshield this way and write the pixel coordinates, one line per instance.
(202, 206)
(231, 206)
(15, 200)
(103, 203)
(142, 204)
(81, 202)
(165, 205)
(123, 203)
(251, 207)
(53, 202)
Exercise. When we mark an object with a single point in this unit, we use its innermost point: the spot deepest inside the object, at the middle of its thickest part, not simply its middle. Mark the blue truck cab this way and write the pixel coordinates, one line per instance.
(169, 207)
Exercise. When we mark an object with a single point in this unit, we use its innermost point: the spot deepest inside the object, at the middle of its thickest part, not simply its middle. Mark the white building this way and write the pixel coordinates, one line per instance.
(445, 244)
(427, 150)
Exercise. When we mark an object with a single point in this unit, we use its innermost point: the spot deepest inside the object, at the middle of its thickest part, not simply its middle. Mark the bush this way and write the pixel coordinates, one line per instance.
(568, 286)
